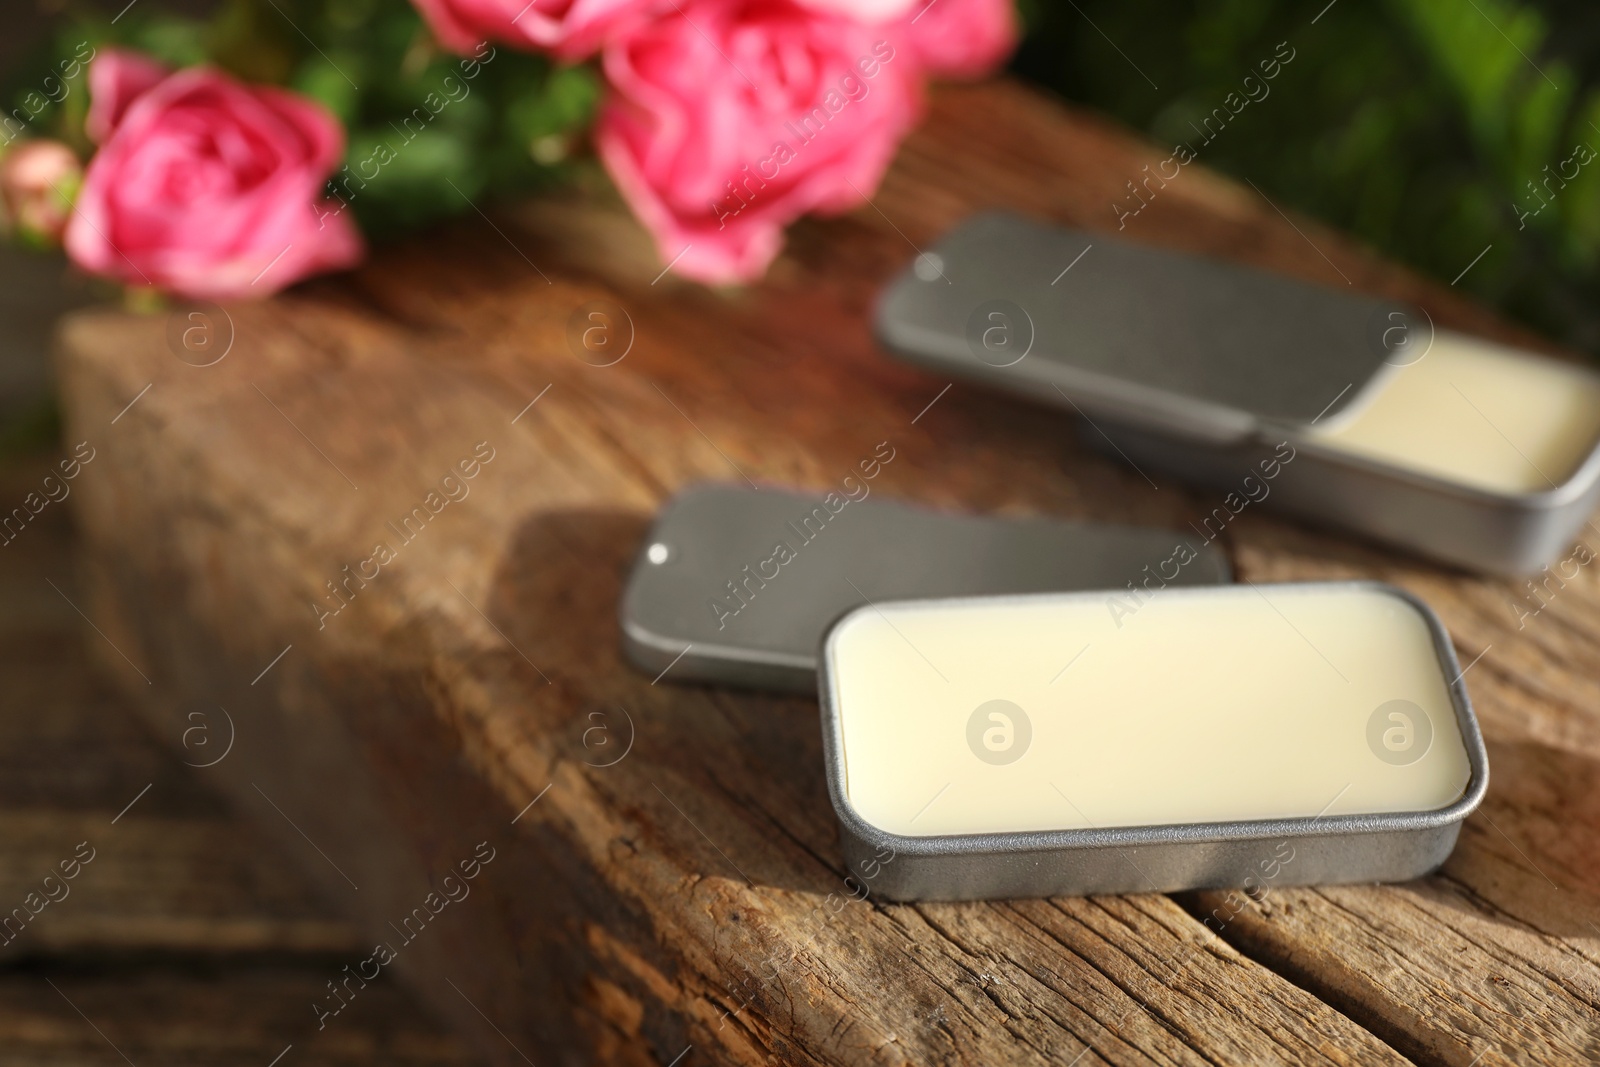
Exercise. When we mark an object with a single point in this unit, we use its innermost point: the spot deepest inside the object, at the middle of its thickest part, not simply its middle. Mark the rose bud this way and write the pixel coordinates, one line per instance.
(38, 180)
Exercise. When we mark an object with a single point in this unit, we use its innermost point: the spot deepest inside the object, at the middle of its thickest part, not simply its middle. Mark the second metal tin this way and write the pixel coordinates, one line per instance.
(1202, 368)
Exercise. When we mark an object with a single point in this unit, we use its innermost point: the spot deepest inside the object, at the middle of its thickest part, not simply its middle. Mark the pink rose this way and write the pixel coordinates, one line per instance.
(863, 10)
(206, 187)
(730, 118)
(572, 29)
(960, 38)
(37, 183)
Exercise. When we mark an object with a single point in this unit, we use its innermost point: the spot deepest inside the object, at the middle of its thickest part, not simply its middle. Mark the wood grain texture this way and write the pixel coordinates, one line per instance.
(171, 873)
(185, 1017)
(184, 937)
(689, 898)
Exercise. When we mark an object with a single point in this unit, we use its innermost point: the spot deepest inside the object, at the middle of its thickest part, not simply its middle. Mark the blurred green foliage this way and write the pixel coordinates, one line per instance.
(1432, 129)
(32, 429)
(428, 132)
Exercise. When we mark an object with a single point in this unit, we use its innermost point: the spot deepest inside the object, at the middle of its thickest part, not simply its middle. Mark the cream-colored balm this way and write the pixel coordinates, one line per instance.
(1058, 712)
(1475, 413)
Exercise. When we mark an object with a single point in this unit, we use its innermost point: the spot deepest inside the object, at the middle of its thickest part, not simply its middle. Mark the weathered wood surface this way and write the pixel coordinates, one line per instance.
(688, 900)
(186, 938)
(191, 1017)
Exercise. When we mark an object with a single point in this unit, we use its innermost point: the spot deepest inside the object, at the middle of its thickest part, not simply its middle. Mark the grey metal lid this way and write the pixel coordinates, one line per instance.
(1141, 334)
(730, 576)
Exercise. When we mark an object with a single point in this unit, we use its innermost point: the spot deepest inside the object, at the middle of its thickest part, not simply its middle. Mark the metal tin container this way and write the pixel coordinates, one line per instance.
(1391, 845)
(1201, 369)
(712, 597)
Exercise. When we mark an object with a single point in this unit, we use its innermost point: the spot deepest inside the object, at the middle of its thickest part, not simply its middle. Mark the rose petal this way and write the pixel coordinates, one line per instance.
(962, 38)
(571, 29)
(116, 77)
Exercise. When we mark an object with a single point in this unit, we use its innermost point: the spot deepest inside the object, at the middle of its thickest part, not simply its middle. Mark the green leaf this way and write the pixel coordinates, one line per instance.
(331, 82)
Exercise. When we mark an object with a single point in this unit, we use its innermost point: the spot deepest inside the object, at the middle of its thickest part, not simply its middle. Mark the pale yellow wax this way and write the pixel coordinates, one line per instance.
(1223, 704)
(1475, 413)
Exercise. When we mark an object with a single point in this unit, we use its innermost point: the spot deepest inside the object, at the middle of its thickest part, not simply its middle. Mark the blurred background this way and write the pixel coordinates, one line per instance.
(1407, 123)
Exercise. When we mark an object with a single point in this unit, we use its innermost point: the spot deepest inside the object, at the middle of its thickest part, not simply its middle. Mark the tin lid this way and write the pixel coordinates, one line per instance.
(1143, 335)
(737, 586)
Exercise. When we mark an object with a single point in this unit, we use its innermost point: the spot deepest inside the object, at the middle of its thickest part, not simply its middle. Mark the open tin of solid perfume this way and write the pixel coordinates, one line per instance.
(1464, 450)
(1082, 743)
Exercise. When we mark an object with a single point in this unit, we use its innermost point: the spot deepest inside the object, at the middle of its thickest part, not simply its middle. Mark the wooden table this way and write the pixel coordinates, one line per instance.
(185, 938)
(630, 910)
